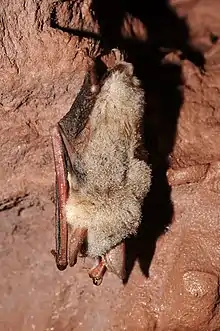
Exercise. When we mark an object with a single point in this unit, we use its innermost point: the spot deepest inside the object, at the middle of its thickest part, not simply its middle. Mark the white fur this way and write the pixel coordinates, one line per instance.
(108, 202)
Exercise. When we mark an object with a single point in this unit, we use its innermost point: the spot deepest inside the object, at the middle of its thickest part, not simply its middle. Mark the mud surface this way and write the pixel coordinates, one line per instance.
(174, 264)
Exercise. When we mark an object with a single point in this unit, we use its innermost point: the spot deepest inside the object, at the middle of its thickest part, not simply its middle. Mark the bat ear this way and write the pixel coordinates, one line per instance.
(115, 260)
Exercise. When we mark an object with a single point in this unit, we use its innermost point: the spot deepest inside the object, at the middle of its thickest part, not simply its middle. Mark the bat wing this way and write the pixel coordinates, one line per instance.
(64, 155)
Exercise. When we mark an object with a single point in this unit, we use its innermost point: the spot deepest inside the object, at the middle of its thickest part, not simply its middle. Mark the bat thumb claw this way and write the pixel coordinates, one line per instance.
(61, 265)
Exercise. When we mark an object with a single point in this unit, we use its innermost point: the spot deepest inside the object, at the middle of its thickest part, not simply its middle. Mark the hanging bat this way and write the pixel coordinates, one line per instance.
(102, 175)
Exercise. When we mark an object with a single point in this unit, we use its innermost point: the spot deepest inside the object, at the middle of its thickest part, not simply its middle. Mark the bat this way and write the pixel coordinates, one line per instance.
(102, 173)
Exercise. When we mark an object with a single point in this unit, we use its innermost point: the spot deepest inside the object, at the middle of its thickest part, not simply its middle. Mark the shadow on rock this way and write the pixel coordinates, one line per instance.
(162, 83)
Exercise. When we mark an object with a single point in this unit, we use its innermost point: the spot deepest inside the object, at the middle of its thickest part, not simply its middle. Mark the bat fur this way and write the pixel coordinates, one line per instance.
(108, 182)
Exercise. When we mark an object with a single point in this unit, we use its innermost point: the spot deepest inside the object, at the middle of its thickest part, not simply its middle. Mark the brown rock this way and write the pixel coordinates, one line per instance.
(175, 279)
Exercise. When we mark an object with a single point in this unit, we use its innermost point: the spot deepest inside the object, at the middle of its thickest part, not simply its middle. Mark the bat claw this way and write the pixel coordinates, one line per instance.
(60, 264)
(97, 281)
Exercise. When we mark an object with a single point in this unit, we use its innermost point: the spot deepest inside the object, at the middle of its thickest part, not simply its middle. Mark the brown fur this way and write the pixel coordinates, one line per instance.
(109, 183)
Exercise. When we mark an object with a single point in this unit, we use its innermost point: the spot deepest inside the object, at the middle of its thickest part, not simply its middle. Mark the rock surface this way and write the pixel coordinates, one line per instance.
(175, 262)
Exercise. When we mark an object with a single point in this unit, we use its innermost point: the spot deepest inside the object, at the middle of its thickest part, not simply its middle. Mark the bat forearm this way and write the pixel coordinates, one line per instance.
(61, 198)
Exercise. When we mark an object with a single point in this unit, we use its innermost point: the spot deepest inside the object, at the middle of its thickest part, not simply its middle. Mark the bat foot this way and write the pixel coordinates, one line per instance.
(98, 271)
